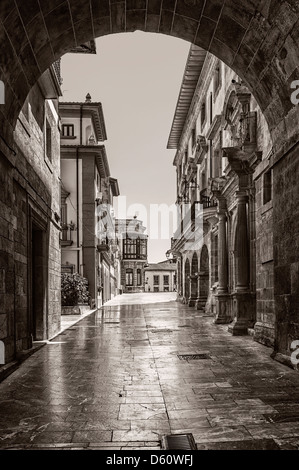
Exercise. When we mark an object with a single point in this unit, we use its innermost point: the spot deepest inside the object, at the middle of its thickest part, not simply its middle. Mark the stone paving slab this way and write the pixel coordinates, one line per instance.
(114, 381)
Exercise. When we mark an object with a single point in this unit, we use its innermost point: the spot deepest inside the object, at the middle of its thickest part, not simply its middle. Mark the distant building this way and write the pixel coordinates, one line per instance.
(160, 277)
(133, 254)
(86, 189)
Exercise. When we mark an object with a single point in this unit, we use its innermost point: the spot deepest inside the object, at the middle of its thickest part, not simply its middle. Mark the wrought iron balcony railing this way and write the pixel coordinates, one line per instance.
(189, 220)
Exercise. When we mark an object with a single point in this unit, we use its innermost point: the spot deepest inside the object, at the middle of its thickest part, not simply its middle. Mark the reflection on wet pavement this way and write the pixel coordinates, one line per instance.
(114, 380)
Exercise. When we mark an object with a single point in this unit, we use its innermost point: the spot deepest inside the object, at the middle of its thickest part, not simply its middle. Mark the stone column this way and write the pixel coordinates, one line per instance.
(242, 244)
(222, 310)
(242, 301)
(222, 254)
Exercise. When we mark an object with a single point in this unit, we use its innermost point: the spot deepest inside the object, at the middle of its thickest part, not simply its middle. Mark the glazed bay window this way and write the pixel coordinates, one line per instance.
(134, 248)
(156, 280)
(166, 280)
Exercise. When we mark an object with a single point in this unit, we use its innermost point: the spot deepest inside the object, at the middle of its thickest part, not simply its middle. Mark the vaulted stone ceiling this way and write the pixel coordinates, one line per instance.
(259, 39)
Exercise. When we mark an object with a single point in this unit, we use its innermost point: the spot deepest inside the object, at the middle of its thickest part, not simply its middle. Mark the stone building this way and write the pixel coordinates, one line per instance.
(160, 277)
(132, 242)
(29, 222)
(224, 244)
(87, 191)
(259, 40)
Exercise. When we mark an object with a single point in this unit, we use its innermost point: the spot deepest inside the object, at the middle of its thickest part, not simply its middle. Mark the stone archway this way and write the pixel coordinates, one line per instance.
(257, 39)
(187, 281)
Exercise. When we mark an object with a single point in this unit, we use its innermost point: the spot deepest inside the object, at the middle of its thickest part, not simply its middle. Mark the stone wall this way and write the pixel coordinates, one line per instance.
(264, 329)
(286, 250)
(30, 192)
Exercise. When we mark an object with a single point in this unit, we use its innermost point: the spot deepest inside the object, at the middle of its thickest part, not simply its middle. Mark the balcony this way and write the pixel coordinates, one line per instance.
(66, 234)
(188, 223)
(103, 246)
(135, 256)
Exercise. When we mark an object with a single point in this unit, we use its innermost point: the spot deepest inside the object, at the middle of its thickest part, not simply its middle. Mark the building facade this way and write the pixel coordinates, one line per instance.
(160, 277)
(29, 221)
(223, 245)
(132, 242)
(87, 191)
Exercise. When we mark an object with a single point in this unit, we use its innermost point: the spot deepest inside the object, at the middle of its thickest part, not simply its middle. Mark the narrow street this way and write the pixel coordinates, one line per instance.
(114, 381)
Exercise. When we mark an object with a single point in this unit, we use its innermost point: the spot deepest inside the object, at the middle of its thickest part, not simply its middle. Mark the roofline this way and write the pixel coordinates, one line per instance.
(95, 108)
(99, 152)
(192, 72)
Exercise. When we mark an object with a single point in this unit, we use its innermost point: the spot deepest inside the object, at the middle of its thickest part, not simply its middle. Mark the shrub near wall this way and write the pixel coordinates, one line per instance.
(74, 292)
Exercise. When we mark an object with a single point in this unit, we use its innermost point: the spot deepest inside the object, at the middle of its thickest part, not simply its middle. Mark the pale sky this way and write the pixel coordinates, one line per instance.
(137, 78)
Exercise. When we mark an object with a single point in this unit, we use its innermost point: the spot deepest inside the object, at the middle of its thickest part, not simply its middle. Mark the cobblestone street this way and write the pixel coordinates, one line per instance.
(114, 381)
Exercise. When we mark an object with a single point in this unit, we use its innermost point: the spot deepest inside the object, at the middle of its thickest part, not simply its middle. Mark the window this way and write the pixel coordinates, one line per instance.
(134, 248)
(68, 130)
(217, 78)
(48, 140)
(267, 190)
(156, 289)
(166, 280)
(156, 280)
(129, 277)
(139, 279)
(166, 289)
(203, 114)
(193, 138)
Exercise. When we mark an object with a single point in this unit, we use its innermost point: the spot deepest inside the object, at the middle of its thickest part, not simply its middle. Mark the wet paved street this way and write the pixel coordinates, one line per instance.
(114, 380)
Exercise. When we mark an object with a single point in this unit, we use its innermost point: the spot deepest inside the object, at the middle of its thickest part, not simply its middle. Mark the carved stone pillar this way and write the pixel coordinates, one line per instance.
(242, 244)
(242, 298)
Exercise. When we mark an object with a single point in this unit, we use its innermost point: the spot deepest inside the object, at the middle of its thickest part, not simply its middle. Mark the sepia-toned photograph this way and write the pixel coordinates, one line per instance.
(149, 228)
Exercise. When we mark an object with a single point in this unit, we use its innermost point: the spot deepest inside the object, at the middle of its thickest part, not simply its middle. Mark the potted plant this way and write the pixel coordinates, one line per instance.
(74, 293)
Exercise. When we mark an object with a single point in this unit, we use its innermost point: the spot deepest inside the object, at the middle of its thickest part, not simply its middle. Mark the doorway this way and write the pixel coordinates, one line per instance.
(38, 317)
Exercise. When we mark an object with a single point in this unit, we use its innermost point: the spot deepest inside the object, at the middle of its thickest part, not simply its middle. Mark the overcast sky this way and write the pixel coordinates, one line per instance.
(137, 77)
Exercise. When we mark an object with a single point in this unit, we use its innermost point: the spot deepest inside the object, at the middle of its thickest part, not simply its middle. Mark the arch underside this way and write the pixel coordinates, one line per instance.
(258, 39)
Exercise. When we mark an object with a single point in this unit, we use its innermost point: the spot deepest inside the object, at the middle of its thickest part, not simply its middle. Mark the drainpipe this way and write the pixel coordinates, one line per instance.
(211, 159)
(77, 187)
(81, 119)
(77, 197)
